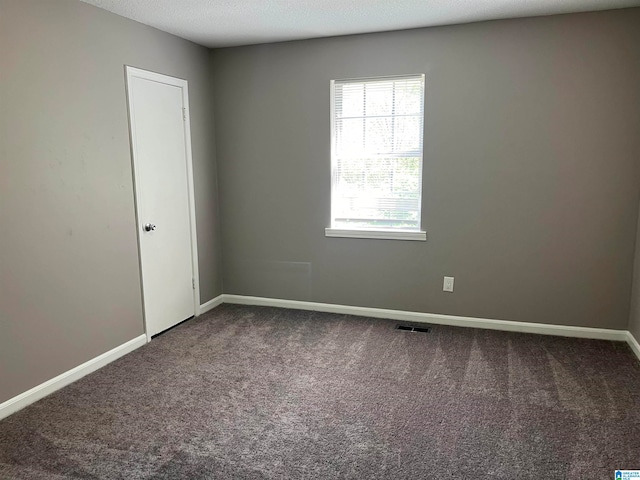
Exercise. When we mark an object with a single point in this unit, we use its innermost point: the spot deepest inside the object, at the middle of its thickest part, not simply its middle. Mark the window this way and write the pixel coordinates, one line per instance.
(376, 157)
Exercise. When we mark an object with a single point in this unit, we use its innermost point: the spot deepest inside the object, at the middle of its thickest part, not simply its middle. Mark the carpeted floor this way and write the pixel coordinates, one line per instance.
(261, 393)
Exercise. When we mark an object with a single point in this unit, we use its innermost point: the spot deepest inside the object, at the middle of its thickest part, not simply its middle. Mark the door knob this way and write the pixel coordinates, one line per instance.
(149, 227)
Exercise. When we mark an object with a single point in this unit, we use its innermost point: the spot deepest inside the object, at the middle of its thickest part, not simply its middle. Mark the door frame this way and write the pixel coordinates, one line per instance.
(130, 73)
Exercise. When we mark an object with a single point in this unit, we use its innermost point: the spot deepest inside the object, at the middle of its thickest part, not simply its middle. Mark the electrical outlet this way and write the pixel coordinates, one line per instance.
(448, 284)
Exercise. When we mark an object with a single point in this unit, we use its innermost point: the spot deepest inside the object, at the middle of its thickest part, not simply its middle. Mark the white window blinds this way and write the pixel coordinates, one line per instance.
(377, 138)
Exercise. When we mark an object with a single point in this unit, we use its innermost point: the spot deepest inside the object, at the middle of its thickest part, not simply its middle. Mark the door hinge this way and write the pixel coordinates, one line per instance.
(184, 113)
(193, 283)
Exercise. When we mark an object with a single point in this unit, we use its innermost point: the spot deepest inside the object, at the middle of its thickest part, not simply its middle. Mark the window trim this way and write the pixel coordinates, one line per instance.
(373, 233)
(418, 235)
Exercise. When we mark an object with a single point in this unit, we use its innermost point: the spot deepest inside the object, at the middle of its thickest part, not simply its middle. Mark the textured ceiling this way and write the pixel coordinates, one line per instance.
(223, 23)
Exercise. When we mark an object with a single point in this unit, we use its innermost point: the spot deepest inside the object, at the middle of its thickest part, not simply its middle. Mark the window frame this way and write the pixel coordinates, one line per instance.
(373, 232)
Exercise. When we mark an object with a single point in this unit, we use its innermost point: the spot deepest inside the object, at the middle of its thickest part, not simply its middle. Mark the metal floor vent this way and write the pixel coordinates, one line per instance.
(411, 328)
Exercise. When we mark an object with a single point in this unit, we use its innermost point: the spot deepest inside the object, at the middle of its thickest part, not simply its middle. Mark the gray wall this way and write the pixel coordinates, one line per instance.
(530, 181)
(634, 315)
(69, 279)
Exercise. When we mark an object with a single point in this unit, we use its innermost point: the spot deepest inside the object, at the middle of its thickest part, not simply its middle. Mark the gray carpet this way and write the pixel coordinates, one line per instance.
(261, 393)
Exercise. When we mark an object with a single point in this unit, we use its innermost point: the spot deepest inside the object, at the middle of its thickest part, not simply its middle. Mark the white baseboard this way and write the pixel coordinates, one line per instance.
(633, 343)
(211, 304)
(453, 320)
(17, 403)
(36, 393)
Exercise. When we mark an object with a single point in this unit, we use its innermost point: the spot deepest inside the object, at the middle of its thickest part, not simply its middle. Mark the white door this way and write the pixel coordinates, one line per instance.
(161, 148)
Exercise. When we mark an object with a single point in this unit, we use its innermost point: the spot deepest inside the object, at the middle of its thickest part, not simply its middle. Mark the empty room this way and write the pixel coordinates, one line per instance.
(319, 239)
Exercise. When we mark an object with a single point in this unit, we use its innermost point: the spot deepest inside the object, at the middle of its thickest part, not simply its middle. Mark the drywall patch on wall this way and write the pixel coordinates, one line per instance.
(273, 279)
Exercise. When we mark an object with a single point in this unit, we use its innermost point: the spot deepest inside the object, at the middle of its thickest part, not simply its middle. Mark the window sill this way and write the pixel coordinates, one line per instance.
(376, 234)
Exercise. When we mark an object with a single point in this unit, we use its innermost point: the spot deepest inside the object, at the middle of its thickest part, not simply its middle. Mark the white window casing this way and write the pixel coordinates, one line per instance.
(377, 127)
